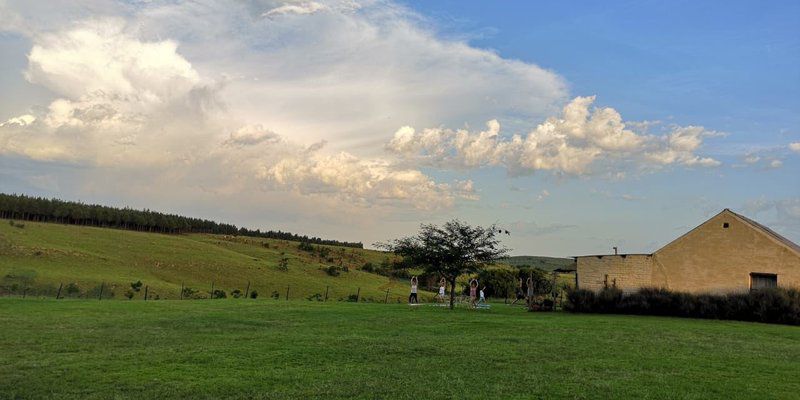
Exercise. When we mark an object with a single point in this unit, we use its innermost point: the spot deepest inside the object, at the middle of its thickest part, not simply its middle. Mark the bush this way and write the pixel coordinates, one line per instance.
(368, 267)
(315, 297)
(253, 294)
(275, 295)
(352, 298)
(188, 292)
(129, 294)
(72, 289)
(136, 286)
(776, 305)
(219, 294)
(283, 264)
(334, 270)
(236, 293)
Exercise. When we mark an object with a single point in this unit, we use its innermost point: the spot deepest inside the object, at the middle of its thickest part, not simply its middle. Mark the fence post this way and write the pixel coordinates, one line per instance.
(287, 292)
(101, 291)
(386, 300)
(326, 292)
(181, 291)
(59, 290)
(211, 296)
(358, 294)
(145, 292)
(247, 291)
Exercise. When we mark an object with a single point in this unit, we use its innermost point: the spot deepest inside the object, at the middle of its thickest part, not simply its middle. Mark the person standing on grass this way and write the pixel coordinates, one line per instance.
(412, 298)
(473, 292)
(442, 290)
(529, 299)
(520, 293)
(482, 298)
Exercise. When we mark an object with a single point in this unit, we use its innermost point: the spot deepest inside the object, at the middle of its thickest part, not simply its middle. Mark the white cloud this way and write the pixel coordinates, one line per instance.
(795, 147)
(299, 8)
(363, 181)
(568, 143)
(22, 120)
(251, 135)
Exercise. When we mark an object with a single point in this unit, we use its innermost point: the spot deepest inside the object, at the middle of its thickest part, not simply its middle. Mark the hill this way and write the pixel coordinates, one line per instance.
(545, 263)
(43, 256)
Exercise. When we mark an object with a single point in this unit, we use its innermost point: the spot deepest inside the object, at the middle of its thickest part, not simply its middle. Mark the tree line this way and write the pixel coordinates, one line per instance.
(29, 208)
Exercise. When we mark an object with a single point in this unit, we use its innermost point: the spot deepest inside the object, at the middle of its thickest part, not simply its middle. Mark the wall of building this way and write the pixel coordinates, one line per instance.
(712, 258)
(630, 271)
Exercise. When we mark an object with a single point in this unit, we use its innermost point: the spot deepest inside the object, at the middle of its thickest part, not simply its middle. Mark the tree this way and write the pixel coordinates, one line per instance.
(450, 250)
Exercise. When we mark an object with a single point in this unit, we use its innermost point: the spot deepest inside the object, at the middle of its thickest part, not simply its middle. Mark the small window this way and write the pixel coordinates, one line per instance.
(763, 281)
(725, 224)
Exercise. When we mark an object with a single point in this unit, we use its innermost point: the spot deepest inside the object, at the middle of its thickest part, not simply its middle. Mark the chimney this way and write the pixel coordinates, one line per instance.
(615, 250)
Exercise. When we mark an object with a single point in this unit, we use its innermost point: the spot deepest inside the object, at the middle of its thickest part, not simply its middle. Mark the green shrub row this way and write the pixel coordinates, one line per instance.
(777, 305)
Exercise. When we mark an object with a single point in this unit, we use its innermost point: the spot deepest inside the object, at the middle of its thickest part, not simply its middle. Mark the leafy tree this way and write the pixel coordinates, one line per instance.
(450, 250)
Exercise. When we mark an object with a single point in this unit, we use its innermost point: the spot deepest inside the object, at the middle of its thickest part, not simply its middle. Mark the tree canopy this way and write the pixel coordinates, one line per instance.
(449, 250)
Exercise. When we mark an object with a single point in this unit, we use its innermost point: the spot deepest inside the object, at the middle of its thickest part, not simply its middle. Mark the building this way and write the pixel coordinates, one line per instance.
(727, 253)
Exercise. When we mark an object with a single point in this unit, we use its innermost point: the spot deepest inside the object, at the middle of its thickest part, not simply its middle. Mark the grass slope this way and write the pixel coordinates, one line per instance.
(545, 263)
(51, 254)
(84, 349)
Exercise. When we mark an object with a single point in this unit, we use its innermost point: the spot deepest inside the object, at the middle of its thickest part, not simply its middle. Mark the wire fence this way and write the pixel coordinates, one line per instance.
(141, 291)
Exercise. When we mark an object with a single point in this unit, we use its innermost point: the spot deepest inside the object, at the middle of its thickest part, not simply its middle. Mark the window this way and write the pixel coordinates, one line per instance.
(763, 281)
(725, 225)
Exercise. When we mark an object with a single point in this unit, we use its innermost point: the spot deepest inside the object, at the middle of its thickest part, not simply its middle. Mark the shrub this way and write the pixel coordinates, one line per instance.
(188, 292)
(129, 294)
(283, 264)
(315, 297)
(236, 293)
(776, 305)
(136, 286)
(275, 295)
(219, 294)
(253, 294)
(332, 270)
(352, 298)
(368, 267)
(72, 289)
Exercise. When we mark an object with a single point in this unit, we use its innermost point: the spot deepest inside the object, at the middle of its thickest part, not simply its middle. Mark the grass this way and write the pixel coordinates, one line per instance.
(284, 350)
(44, 256)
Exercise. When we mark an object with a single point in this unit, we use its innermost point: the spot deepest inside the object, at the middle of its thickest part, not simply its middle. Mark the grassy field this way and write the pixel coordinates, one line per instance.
(85, 349)
(43, 256)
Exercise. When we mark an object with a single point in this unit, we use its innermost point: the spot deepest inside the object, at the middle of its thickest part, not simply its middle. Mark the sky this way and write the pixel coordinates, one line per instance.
(575, 126)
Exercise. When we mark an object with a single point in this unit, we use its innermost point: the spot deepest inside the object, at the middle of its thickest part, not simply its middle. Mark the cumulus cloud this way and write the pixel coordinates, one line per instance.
(795, 147)
(569, 143)
(364, 181)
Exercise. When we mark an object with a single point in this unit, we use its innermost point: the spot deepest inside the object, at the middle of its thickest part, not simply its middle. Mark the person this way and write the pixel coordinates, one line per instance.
(412, 298)
(520, 293)
(473, 289)
(482, 298)
(442, 287)
(530, 297)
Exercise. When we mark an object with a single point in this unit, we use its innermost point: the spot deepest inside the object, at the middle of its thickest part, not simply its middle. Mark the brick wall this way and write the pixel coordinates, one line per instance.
(629, 271)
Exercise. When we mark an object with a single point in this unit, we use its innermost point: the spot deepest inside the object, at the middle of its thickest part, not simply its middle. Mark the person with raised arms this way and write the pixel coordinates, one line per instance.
(412, 298)
(473, 292)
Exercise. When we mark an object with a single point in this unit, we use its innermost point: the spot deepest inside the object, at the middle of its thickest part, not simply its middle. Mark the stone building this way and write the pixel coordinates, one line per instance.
(727, 253)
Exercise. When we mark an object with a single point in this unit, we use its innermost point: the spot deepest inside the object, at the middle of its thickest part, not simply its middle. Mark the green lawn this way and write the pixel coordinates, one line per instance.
(277, 349)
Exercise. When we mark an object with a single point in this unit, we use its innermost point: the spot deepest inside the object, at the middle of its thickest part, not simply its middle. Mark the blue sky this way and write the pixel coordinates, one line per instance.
(360, 120)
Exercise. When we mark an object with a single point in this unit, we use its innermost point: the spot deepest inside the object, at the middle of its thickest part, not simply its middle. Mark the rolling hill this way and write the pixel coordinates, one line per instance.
(37, 258)
(545, 263)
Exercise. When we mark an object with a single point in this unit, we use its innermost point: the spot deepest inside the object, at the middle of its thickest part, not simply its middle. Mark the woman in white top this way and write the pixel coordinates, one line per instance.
(412, 298)
(442, 290)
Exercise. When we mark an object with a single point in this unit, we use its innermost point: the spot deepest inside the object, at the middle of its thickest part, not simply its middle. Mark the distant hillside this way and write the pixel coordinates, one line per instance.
(546, 263)
(39, 209)
(40, 257)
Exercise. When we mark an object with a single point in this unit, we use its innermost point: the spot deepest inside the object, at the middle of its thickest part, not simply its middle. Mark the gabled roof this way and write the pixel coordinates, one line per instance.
(749, 222)
(769, 232)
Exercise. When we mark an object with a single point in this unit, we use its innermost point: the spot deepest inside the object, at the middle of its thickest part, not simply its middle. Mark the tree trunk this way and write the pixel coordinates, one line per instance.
(452, 292)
